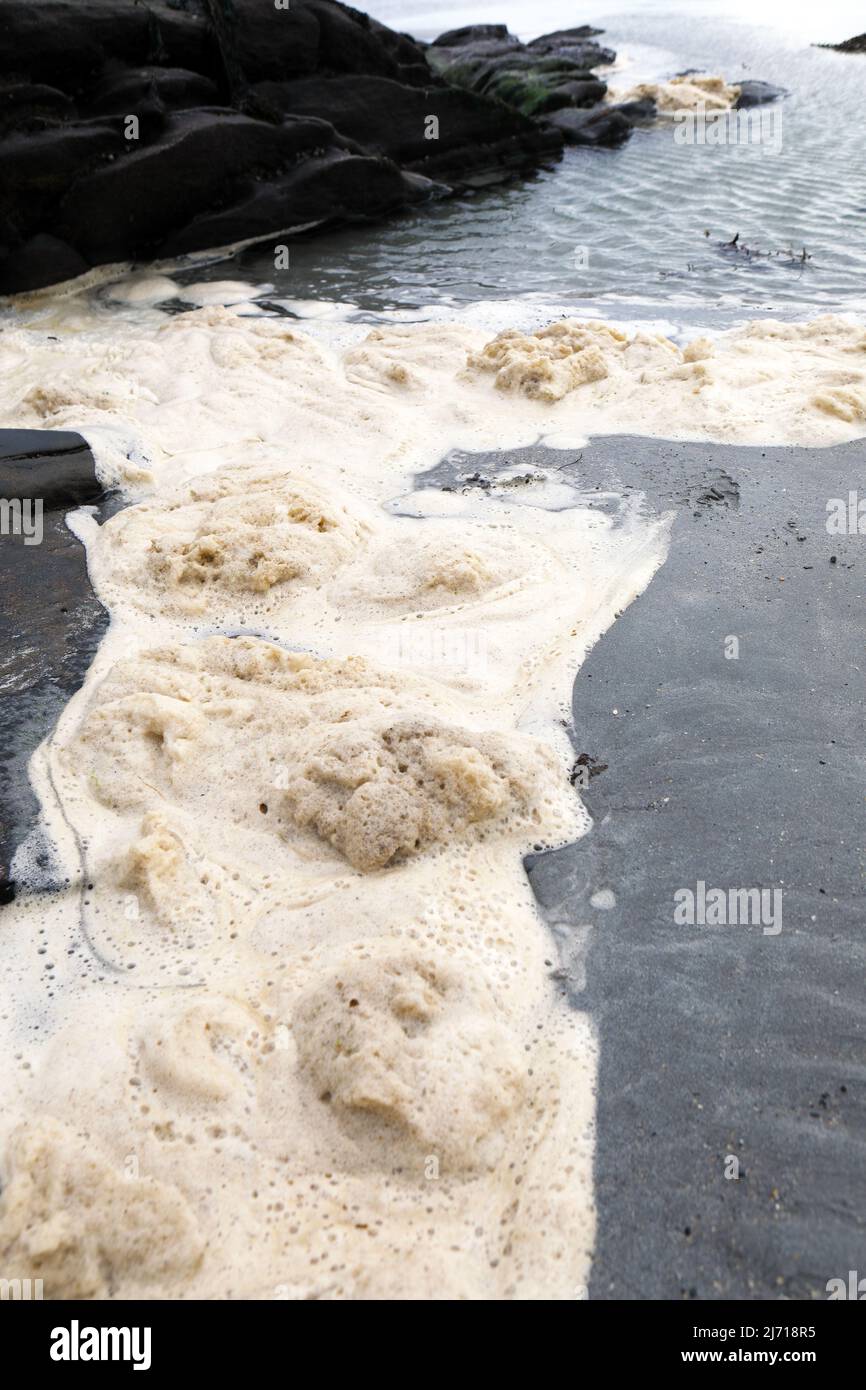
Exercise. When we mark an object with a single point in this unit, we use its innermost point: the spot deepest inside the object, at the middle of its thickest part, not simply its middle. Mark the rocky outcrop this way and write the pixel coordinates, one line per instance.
(602, 125)
(140, 130)
(551, 72)
(391, 119)
(552, 79)
(755, 93)
(855, 45)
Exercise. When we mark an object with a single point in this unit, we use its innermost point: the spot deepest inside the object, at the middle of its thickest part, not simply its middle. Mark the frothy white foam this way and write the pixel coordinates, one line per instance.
(297, 991)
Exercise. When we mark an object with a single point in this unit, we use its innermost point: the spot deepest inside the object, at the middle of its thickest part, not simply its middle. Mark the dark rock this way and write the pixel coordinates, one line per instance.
(565, 36)
(586, 92)
(31, 106)
(123, 91)
(53, 465)
(391, 119)
(43, 260)
(639, 112)
(602, 125)
(551, 72)
(131, 205)
(66, 42)
(407, 54)
(236, 103)
(514, 77)
(755, 93)
(351, 42)
(584, 55)
(265, 43)
(274, 43)
(36, 170)
(470, 55)
(855, 45)
(575, 44)
(752, 91)
(335, 186)
(474, 33)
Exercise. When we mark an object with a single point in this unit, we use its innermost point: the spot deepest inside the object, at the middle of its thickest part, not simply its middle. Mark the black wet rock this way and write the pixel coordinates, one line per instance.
(641, 111)
(37, 169)
(581, 92)
(578, 34)
(263, 48)
(230, 101)
(122, 92)
(43, 260)
(532, 79)
(576, 44)
(257, 42)
(336, 186)
(601, 125)
(31, 105)
(475, 33)
(855, 45)
(350, 41)
(755, 93)
(67, 42)
(473, 136)
(203, 159)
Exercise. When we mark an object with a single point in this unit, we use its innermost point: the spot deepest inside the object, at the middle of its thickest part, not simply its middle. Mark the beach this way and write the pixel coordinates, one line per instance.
(441, 604)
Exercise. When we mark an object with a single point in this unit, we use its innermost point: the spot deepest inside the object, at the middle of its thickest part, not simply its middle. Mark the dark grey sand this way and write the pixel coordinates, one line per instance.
(747, 773)
(50, 621)
(720, 1041)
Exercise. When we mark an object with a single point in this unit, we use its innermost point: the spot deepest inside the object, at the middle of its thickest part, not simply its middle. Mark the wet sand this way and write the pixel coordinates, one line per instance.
(51, 622)
(725, 1041)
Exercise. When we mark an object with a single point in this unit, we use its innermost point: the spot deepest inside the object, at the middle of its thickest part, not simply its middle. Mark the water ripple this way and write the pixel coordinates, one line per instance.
(630, 226)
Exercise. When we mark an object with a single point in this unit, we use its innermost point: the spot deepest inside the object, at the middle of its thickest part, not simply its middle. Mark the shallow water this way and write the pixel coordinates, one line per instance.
(621, 233)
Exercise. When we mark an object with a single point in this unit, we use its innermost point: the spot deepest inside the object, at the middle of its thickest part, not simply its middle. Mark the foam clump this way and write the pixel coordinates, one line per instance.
(549, 364)
(101, 393)
(160, 870)
(841, 344)
(380, 794)
(400, 1039)
(424, 575)
(68, 1218)
(399, 358)
(360, 755)
(688, 93)
(235, 535)
(847, 403)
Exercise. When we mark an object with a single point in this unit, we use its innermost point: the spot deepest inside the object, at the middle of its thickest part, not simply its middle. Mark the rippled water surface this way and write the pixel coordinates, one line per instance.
(624, 232)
